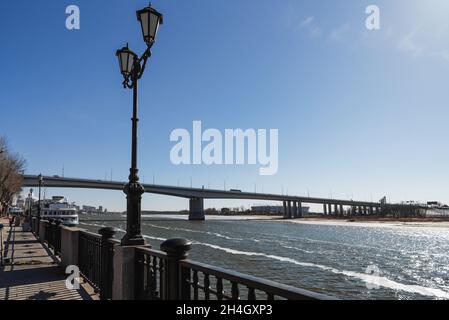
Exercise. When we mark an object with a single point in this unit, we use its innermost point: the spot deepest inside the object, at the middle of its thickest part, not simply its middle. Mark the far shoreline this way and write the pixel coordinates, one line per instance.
(311, 220)
(373, 221)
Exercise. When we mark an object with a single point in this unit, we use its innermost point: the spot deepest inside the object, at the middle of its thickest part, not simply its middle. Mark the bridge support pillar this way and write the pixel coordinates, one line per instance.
(196, 209)
(290, 213)
(295, 209)
(324, 209)
(300, 210)
(285, 210)
(330, 209)
(342, 211)
(371, 211)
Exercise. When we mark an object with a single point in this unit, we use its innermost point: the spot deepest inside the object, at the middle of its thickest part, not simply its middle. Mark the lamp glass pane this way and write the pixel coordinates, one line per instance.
(124, 59)
(144, 21)
(120, 62)
(154, 23)
(130, 62)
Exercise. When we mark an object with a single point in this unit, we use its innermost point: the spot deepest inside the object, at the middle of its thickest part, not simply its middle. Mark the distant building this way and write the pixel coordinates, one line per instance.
(268, 210)
(274, 210)
(92, 209)
(89, 209)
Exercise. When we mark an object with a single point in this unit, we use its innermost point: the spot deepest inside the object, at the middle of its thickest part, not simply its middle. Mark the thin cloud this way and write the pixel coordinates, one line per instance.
(339, 33)
(308, 24)
(442, 55)
(408, 44)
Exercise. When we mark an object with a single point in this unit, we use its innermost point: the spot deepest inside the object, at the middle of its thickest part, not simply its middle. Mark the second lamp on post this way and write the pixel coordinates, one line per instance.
(132, 68)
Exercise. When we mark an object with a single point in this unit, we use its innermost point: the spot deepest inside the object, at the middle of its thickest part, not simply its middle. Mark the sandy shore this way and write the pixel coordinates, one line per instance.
(374, 223)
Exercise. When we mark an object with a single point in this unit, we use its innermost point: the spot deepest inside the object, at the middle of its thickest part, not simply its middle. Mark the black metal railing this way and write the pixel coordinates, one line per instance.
(150, 271)
(168, 275)
(207, 282)
(53, 235)
(89, 258)
(35, 226)
(45, 230)
(108, 248)
(95, 260)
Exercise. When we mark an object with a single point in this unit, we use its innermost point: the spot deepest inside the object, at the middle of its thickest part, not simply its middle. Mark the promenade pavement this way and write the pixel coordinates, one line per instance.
(30, 271)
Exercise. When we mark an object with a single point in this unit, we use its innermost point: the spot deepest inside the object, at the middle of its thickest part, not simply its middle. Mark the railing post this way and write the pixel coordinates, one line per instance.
(57, 237)
(52, 232)
(175, 282)
(42, 230)
(106, 263)
(139, 275)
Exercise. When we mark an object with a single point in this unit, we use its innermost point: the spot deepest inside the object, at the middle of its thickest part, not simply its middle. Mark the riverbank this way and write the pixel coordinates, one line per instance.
(376, 222)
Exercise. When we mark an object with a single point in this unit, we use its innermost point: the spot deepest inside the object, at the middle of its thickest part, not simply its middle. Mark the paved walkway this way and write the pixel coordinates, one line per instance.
(31, 272)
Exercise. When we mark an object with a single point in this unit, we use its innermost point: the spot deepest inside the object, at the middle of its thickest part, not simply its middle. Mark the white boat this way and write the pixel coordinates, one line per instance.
(59, 208)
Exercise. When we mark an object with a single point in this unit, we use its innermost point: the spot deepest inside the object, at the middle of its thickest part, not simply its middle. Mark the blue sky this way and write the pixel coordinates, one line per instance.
(361, 114)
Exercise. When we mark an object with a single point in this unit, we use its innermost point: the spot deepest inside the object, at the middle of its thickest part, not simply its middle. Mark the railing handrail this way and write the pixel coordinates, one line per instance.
(114, 241)
(152, 252)
(90, 234)
(268, 286)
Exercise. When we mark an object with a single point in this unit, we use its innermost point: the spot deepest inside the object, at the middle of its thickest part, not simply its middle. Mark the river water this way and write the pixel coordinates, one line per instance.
(348, 262)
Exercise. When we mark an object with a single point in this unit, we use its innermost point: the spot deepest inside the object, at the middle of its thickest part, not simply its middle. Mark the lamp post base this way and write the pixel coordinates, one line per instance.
(137, 240)
(133, 236)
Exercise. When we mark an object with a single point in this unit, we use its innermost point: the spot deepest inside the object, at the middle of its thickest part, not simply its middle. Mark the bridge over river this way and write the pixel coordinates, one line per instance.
(292, 204)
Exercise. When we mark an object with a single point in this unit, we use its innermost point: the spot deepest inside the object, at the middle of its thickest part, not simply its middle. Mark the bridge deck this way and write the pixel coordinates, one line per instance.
(184, 192)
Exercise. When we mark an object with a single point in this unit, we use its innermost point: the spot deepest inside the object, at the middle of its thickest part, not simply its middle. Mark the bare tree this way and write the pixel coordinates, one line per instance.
(12, 166)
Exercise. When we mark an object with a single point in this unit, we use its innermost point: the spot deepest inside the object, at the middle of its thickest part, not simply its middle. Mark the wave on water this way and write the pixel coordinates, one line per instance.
(297, 249)
(367, 278)
(219, 235)
(122, 230)
(93, 224)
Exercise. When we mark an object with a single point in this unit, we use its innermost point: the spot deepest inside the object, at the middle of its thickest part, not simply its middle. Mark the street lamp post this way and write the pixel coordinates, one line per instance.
(132, 68)
(40, 180)
(30, 207)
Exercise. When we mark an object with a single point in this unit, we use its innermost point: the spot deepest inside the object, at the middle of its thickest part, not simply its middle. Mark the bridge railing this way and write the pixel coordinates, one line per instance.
(168, 275)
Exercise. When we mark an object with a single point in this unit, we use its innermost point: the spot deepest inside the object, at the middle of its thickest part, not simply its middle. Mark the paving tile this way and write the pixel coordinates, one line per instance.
(33, 274)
